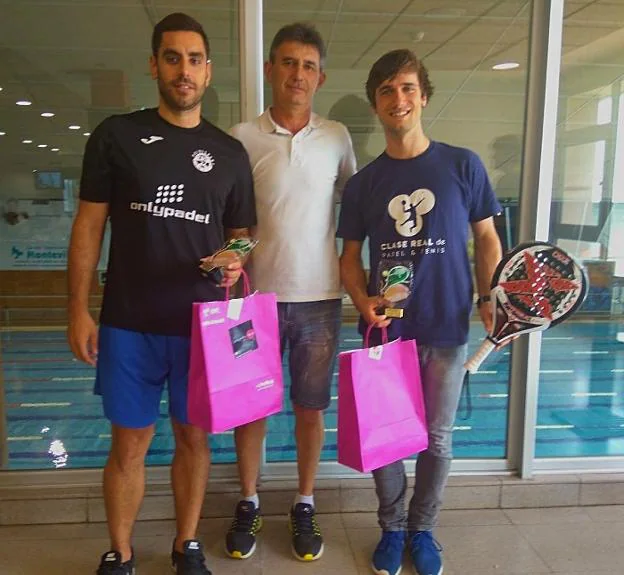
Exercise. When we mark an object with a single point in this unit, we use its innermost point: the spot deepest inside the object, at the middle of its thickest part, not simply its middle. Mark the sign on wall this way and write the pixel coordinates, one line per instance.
(25, 255)
(35, 232)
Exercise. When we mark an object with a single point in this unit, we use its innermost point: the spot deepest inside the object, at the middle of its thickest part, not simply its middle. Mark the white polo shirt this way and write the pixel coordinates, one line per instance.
(298, 180)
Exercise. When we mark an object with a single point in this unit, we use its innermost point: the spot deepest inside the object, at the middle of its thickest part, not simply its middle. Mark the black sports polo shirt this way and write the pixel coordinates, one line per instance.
(171, 192)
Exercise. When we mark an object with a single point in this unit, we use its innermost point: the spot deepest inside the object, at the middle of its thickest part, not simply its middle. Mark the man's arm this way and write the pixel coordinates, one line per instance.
(354, 280)
(84, 252)
(488, 252)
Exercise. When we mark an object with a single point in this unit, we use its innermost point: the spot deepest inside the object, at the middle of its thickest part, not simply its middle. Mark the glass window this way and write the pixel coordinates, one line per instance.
(65, 67)
(581, 379)
(476, 53)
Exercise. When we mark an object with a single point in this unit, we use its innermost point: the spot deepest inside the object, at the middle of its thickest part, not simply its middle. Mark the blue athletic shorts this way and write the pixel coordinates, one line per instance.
(132, 368)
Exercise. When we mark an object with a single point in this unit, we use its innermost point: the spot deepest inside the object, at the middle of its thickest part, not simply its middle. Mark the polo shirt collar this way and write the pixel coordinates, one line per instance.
(268, 124)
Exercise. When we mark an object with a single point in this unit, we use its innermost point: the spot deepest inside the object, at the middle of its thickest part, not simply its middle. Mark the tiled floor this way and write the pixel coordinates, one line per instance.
(566, 541)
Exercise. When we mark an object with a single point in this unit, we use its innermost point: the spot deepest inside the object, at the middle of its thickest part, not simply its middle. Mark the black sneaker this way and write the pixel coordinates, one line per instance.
(192, 561)
(111, 565)
(240, 541)
(307, 541)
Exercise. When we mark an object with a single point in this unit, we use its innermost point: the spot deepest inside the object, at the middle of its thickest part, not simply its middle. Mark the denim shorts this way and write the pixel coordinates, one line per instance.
(310, 331)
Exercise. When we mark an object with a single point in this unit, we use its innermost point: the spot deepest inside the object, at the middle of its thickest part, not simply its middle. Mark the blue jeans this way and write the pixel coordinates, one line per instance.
(310, 331)
(442, 374)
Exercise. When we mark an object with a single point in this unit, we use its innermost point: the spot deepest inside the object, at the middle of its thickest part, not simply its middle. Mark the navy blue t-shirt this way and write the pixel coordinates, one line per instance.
(416, 214)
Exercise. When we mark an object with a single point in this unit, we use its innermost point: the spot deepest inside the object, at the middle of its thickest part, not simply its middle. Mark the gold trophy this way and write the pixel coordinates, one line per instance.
(236, 249)
(395, 282)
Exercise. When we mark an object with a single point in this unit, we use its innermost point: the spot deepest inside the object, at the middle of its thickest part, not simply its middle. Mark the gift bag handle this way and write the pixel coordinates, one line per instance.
(246, 286)
(369, 329)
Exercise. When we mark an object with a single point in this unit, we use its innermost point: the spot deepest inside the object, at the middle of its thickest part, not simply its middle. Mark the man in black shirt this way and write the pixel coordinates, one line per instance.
(174, 187)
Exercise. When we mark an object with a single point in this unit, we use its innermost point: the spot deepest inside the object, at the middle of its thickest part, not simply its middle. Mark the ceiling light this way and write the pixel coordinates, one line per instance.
(74, 127)
(2, 133)
(87, 134)
(23, 102)
(55, 150)
(26, 141)
(42, 145)
(506, 66)
(47, 114)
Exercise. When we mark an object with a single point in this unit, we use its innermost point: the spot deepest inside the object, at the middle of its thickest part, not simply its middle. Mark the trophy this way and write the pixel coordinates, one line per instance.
(395, 282)
(236, 249)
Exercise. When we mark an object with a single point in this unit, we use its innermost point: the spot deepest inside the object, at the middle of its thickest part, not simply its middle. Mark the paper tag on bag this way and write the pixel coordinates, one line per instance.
(375, 352)
(235, 307)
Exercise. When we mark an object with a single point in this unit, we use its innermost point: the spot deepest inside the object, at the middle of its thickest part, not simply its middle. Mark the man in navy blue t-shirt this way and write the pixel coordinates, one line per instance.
(416, 204)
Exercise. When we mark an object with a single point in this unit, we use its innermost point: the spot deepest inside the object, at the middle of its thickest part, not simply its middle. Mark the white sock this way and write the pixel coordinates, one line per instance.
(309, 499)
(254, 499)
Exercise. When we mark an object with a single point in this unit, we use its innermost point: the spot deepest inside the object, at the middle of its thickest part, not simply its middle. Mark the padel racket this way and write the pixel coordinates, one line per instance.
(535, 286)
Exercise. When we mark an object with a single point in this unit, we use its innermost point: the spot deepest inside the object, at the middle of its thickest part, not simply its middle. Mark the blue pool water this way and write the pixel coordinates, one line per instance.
(54, 420)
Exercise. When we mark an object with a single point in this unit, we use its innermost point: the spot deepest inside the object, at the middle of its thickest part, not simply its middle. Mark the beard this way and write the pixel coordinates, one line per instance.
(397, 131)
(177, 103)
(400, 129)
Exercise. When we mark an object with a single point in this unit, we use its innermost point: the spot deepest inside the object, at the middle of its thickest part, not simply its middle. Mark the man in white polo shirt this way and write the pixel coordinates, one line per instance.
(300, 164)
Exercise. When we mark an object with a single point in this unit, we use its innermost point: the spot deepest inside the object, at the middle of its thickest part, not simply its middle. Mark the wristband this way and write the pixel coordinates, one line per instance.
(483, 299)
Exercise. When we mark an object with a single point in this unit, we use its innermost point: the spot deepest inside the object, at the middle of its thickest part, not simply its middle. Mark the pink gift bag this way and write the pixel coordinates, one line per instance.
(235, 374)
(381, 410)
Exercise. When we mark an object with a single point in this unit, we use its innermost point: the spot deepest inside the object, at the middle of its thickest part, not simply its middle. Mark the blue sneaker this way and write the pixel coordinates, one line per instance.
(388, 554)
(425, 552)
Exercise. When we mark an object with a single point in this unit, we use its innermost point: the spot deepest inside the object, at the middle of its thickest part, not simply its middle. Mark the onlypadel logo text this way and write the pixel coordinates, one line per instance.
(167, 204)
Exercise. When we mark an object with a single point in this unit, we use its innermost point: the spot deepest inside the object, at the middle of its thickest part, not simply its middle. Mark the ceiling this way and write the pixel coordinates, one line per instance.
(85, 59)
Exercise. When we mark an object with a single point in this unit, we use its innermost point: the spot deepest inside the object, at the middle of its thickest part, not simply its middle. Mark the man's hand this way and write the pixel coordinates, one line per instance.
(368, 308)
(485, 311)
(82, 335)
(231, 273)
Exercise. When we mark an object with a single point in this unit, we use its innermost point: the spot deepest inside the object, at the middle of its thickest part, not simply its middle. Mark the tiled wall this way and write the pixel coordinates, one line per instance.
(37, 297)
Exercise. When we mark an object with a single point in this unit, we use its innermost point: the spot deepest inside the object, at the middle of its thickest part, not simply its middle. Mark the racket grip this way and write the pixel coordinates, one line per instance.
(477, 359)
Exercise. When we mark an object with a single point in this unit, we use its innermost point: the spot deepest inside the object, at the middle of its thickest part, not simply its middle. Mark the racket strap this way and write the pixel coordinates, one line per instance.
(467, 396)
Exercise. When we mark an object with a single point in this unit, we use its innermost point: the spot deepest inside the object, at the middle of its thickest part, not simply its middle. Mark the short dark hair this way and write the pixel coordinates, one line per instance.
(177, 22)
(299, 32)
(389, 65)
